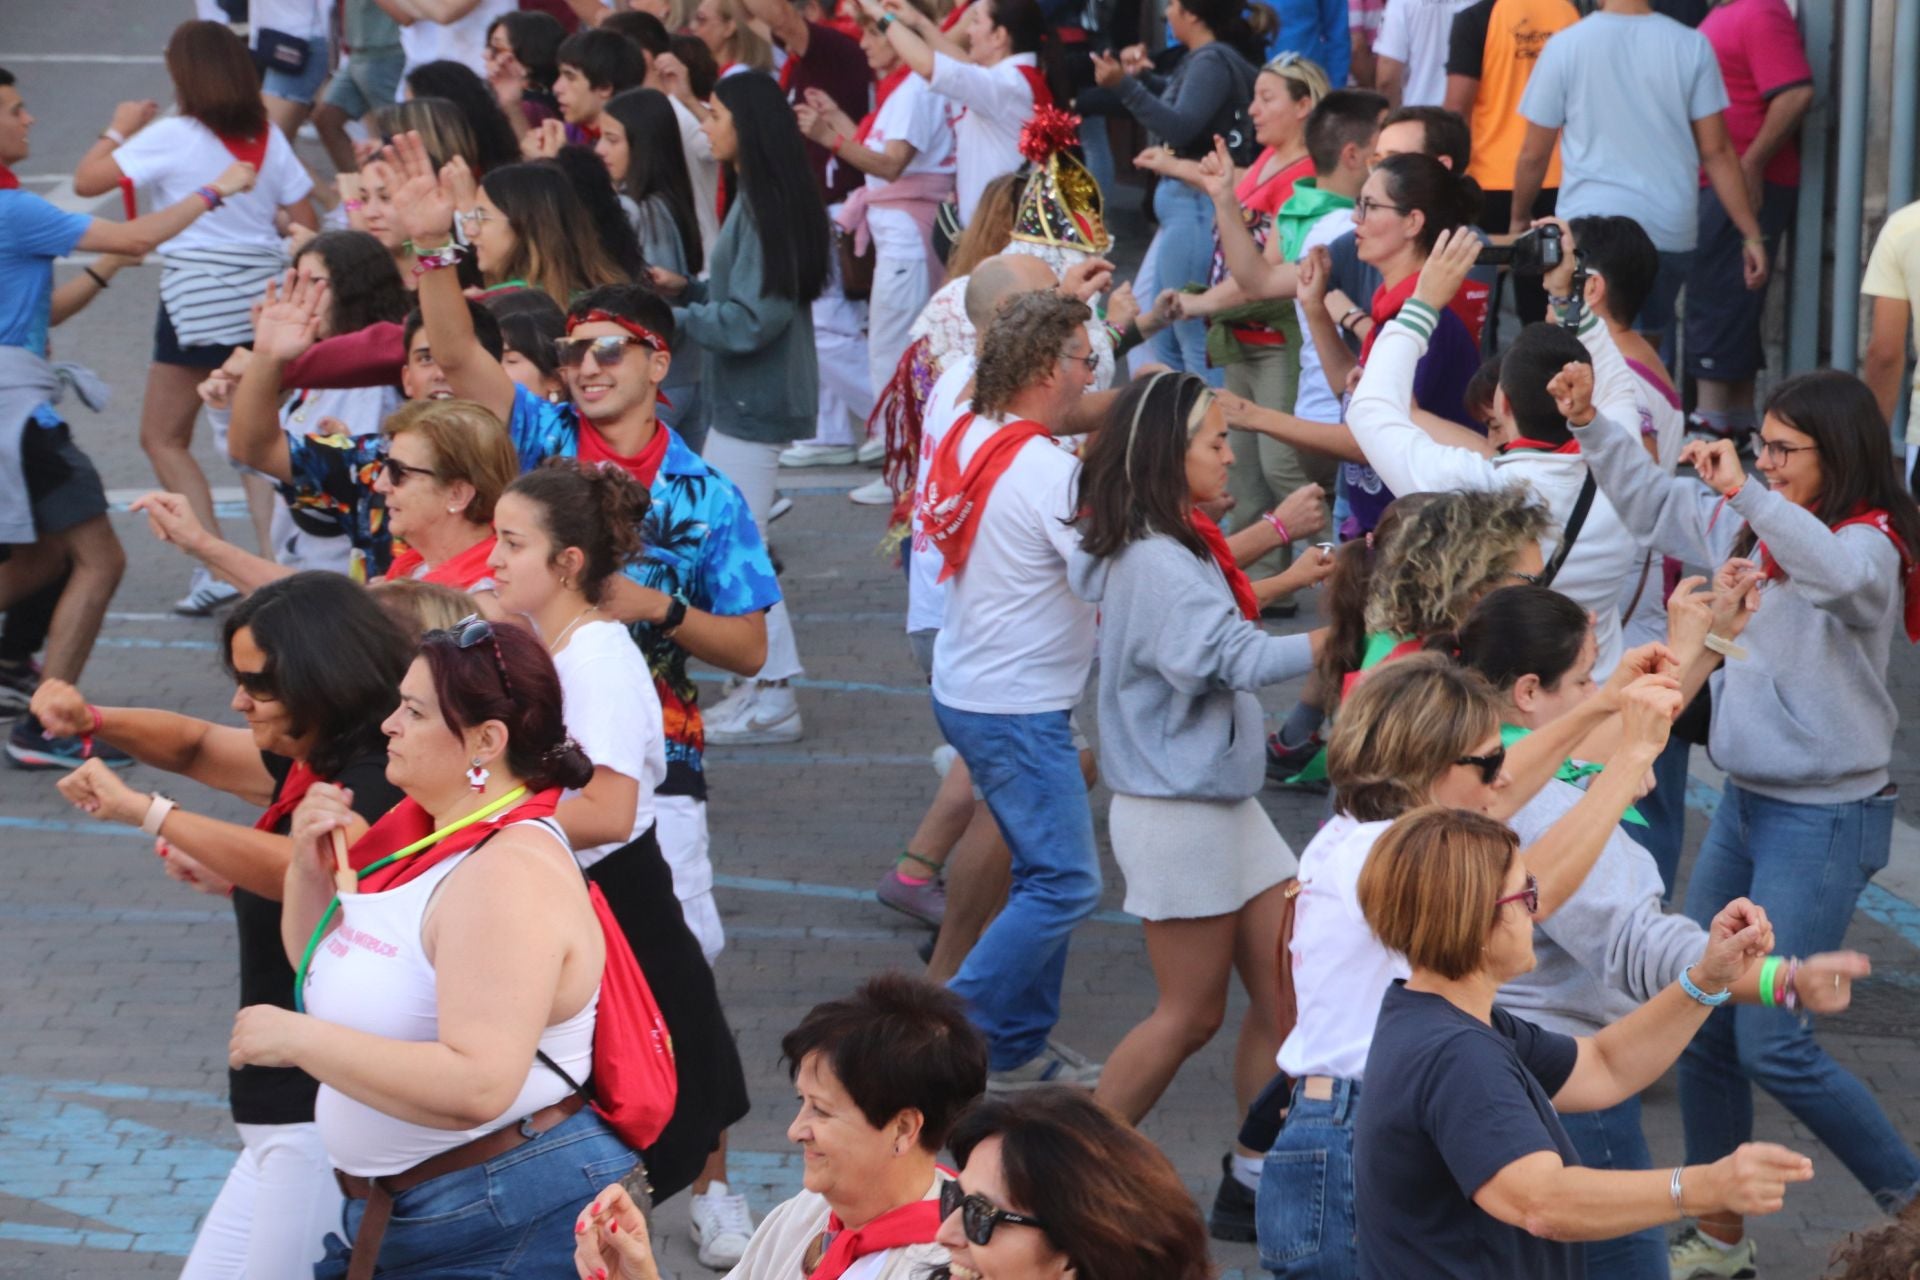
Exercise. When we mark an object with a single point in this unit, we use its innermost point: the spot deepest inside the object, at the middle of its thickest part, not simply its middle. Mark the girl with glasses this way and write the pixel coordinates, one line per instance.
(1462, 1166)
(1804, 728)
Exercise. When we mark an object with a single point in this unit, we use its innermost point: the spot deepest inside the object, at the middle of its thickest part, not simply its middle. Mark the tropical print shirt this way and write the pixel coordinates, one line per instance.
(333, 481)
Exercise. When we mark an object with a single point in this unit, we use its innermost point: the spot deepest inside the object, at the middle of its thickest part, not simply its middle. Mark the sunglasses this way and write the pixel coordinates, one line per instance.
(608, 352)
(978, 1215)
(1489, 764)
(1529, 895)
(470, 631)
(256, 685)
(398, 471)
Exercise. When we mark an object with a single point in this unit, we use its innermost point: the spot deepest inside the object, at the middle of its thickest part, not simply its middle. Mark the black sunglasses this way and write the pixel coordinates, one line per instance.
(607, 351)
(1489, 764)
(979, 1215)
(470, 631)
(398, 471)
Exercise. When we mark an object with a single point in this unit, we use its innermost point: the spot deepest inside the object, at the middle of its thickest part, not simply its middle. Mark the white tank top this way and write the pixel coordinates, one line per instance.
(372, 974)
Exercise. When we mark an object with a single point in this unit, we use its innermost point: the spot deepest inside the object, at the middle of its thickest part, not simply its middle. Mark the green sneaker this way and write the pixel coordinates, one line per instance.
(1692, 1256)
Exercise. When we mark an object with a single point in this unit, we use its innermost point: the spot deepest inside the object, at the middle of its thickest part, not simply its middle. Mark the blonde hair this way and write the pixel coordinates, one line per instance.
(1429, 887)
(991, 228)
(1446, 555)
(1303, 72)
(1403, 726)
(419, 607)
(468, 444)
(749, 48)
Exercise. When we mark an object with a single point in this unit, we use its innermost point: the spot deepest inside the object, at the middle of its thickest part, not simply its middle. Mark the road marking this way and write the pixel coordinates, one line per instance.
(110, 59)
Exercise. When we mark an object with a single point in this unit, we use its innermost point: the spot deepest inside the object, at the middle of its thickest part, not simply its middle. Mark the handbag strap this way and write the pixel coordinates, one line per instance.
(1575, 522)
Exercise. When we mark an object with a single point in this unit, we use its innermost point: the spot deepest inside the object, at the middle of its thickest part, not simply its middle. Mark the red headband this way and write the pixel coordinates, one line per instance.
(648, 337)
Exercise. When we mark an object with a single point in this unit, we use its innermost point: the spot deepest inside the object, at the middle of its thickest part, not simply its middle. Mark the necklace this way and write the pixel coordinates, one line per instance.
(554, 646)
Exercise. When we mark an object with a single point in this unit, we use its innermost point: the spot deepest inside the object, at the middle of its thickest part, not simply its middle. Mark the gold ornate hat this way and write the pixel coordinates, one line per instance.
(1061, 204)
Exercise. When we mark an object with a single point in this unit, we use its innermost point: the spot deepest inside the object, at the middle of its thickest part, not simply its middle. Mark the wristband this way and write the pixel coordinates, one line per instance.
(1768, 969)
(676, 614)
(1673, 1189)
(886, 20)
(353, 206)
(1281, 529)
(1759, 240)
(1725, 647)
(95, 276)
(1347, 320)
(839, 141)
(212, 196)
(447, 255)
(157, 810)
(114, 136)
(1698, 996)
(1790, 996)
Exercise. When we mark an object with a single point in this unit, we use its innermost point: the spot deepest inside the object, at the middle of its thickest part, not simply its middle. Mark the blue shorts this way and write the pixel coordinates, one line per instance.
(1723, 315)
(300, 86)
(365, 81)
(167, 348)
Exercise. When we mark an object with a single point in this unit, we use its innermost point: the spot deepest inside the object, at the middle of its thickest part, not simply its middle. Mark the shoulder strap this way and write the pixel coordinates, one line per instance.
(1575, 521)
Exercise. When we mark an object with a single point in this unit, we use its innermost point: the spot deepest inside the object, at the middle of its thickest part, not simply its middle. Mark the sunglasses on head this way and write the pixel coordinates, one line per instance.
(470, 631)
(607, 352)
(1489, 764)
(978, 1215)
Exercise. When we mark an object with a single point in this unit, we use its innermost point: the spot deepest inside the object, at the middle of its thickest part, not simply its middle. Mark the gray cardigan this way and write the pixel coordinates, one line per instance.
(1178, 664)
(759, 371)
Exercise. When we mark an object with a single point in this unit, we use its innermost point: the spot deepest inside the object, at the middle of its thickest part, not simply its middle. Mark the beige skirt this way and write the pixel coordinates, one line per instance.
(1187, 859)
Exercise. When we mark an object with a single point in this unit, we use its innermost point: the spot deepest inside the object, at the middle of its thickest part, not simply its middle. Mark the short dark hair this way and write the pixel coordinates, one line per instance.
(472, 690)
(485, 328)
(6, 78)
(643, 29)
(214, 79)
(535, 38)
(1619, 251)
(702, 71)
(897, 1044)
(530, 321)
(1134, 483)
(1025, 22)
(334, 661)
(1343, 116)
(1477, 399)
(635, 302)
(605, 59)
(1447, 135)
(1541, 351)
(1522, 630)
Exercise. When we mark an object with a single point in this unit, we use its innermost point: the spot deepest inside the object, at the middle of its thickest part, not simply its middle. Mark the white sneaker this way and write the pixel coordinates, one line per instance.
(722, 1224)
(1692, 1256)
(205, 593)
(781, 505)
(734, 691)
(874, 493)
(1055, 1064)
(769, 714)
(806, 454)
(872, 452)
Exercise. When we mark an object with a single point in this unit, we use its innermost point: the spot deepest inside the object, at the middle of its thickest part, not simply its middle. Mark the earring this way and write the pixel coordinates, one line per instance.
(478, 776)
(453, 511)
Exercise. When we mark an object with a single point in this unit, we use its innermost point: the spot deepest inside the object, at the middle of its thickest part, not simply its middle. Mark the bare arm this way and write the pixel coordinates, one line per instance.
(140, 237)
(1529, 172)
(441, 11)
(217, 755)
(1461, 93)
(735, 643)
(1330, 438)
(73, 296)
(1391, 79)
(1785, 110)
(1886, 357)
(603, 811)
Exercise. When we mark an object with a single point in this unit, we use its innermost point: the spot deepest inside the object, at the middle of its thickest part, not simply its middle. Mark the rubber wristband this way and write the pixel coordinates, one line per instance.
(1698, 996)
(886, 20)
(839, 141)
(1768, 969)
(95, 276)
(114, 136)
(1286, 539)
(212, 196)
(157, 810)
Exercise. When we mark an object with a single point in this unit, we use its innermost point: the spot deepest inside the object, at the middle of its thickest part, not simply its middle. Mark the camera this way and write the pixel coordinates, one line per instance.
(1532, 254)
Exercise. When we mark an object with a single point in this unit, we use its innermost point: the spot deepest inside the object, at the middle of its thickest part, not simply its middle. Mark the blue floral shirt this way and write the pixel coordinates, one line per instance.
(333, 480)
(701, 544)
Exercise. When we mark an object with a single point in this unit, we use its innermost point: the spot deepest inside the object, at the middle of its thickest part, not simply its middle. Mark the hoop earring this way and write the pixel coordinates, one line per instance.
(478, 776)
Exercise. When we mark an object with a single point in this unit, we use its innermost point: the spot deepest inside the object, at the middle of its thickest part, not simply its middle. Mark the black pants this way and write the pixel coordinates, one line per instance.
(1529, 295)
(28, 622)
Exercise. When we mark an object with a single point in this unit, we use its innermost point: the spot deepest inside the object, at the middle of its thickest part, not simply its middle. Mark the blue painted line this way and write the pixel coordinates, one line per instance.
(147, 642)
(68, 912)
(760, 755)
(68, 828)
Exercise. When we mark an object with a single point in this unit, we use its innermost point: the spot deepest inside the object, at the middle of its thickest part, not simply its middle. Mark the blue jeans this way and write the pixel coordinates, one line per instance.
(1183, 254)
(1612, 1139)
(1029, 771)
(512, 1216)
(1304, 1212)
(1665, 809)
(1806, 864)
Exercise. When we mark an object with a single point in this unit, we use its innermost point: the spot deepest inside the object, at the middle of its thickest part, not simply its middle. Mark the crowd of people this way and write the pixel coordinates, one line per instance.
(510, 367)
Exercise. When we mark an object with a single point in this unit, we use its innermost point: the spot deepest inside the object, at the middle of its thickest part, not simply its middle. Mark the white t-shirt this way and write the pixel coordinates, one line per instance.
(1315, 400)
(990, 107)
(172, 158)
(703, 170)
(1417, 32)
(295, 17)
(613, 712)
(1340, 970)
(1016, 640)
(926, 594)
(913, 113)
(464, 40)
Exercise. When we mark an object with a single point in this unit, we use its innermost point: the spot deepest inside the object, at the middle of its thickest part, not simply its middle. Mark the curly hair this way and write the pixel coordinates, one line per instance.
(1023, 344)
(1448, 554)
(1890, 1251)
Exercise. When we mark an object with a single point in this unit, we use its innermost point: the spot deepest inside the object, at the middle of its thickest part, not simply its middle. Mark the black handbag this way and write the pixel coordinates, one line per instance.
(278, 51)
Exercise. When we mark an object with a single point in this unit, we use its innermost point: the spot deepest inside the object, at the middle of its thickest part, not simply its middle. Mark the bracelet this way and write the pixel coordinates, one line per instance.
(1281, 529)
(114, 136)
(839, 141)
(447, 255)
(212, 196)
(97, 277)
(1759, 240)
(1694, 993)
(1725, 647)
(1790, 995)
(1673, 1189)
(1346, 321)
(353, 206)
(886, 20)
(1768, 969)
(157, 810)
(1558, 301)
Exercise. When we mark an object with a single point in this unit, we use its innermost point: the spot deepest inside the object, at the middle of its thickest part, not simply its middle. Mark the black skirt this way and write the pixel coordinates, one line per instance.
(638, 887)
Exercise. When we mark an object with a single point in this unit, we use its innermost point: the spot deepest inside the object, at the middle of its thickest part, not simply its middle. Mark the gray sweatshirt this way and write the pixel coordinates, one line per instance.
(1184, 110)
(1178, 664)
(1806, 718)
(1610, 947)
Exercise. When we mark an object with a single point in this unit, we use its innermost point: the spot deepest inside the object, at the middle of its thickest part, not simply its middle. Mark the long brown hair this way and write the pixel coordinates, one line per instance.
(991, 228)
(556, 246)
(1134, 482)
(1405, 725)
(1344, 602)
(214, 79)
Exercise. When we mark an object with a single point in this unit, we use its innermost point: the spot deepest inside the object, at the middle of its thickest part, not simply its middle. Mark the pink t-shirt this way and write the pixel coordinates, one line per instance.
(1758, 47)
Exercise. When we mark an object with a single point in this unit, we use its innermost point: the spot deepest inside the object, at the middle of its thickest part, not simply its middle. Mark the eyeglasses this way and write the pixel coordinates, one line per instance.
(1365, 206)
(1529, 895)
(1090, 360)
(474, 217)
(1784, 452)
(1489, 764)
(608, 352)
(397, 471)
(470, 631)
(979, 1215)
(1531, 579)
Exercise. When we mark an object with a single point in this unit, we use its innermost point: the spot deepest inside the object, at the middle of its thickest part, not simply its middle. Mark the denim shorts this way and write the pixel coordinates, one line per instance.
(300, 86)
(365, 81)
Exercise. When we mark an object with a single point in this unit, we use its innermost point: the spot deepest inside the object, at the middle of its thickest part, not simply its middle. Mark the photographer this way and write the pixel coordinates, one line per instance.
(1592, 557)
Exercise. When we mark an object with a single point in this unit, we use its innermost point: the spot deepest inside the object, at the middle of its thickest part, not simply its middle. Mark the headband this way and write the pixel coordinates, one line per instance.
(648, 338)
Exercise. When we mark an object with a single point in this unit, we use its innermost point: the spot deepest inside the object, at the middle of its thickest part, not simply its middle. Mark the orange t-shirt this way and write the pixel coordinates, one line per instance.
(1497, 43)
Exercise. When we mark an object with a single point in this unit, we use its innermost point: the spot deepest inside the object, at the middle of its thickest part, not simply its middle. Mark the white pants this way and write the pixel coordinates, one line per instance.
(900, 289)
(680, 823)
(846, 397)
(278, 1204)
(754, 468)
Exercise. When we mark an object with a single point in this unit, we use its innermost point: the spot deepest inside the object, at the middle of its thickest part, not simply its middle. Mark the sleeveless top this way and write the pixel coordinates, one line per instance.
(372, 974)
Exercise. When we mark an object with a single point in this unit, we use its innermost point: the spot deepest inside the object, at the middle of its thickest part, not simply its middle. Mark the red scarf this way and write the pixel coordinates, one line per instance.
(950, 513)
(1237, 582)
(460, 572)
(952, 19)
(893, 80)
(292, 791)
(1470, 304)
(407, 822)
(7, 181)
(1909, 567)
(642, 466)
(1520, 444)
(1042, 96)
(916, 1223)
(251, 151)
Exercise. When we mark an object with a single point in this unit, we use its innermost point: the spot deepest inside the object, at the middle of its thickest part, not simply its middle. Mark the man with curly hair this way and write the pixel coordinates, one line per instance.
(1012, 662)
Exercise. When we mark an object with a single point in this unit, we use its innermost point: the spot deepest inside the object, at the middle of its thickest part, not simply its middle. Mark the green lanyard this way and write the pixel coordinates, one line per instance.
(326, 917)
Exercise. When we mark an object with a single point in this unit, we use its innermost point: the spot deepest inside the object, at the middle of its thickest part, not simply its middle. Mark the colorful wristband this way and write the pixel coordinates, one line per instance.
(212, 196)
(1695, 994)
(1286, 538)
(1768, 968)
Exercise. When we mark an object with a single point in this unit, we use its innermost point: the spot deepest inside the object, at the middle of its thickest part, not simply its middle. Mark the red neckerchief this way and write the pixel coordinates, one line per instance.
(642, 466)
(251, 151)
(7, 181)
(1470, 304)
(1042, 96)
(1237, 582)
(407, 822)
(952, 19)
(460, 572)
(950, 513)
(292, 791)
(722, 73)
(915, 1223)
(1267, 195)
(1520, 444)
(1909, 567)
(893, 80)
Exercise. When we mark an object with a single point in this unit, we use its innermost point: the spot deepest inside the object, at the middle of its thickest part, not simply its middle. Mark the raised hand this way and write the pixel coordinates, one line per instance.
(1445, 270)
(1107, 71)
(672, 74)
(1739, 935)
(170, 519)
(235, 178)
(1122, 307)
(1736, 596)
(545, 142)
(1316, 270)
(1690, 615)
(1647, 711)
(424, 205)
(130, 118)
(1087, 279)
(1572, 392)
(1718, 463)
(290, 317)
(1304, 511)
(1217, 173)
(1135, 60)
